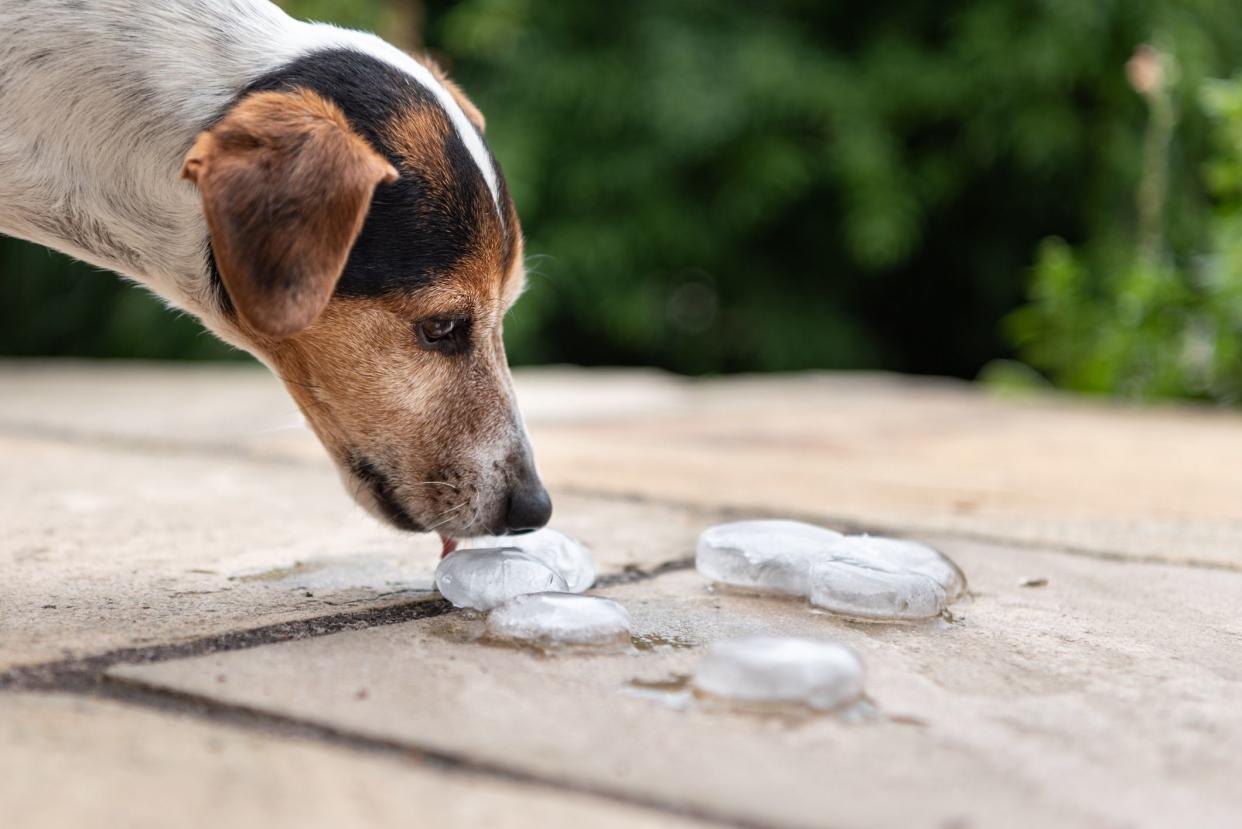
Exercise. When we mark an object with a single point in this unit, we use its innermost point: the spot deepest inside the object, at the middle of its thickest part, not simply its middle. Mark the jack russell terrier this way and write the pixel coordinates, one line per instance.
(316, 197)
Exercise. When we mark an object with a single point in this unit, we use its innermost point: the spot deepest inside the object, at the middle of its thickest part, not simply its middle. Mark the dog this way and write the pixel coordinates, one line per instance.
(313, 195)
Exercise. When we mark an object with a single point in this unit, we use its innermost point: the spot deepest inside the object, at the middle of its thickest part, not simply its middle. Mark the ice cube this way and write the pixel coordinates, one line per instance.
(550, 619)
(764, 669)
(884, 578)
(567, 556)
(483, 579)
(851, 588)
(769, 556)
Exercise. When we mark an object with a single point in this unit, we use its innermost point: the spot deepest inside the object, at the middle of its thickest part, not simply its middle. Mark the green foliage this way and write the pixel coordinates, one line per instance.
(1111, 317)
(721, 185)
(370, 15)
(822, 184)
(52, 306)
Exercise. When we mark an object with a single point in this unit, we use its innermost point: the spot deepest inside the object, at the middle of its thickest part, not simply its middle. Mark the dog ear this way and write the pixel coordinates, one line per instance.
(286, 184)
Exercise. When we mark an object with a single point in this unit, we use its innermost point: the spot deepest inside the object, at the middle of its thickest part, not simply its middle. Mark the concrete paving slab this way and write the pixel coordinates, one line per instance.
(157, 407)
(1105, 698)
(68, 761)
(242, 408)
(929, 456)
(875, 450)
(157, 505)
(104, 547)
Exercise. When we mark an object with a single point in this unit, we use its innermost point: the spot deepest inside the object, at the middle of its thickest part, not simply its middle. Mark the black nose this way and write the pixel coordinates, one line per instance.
(529, 508)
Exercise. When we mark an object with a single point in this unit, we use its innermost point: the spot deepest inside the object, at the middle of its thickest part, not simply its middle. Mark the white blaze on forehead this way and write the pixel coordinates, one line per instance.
(323, 35)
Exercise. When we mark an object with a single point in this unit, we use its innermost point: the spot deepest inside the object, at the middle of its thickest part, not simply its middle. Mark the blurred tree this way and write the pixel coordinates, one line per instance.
(55, 307)
(719, 185)
(728, 185)
(1142, 315)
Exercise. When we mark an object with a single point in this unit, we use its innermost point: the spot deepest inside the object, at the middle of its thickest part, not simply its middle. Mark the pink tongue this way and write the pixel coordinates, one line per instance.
(450, 544)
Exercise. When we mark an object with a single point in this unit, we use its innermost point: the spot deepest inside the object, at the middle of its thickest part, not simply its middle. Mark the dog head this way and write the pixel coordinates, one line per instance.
(367, 249)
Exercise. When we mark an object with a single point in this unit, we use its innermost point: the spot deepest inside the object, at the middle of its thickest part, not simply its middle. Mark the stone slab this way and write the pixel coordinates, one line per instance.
(918, 455)
(874, 450)
(68, 762)
(1105, 698)
(157, 407)
(242, 408)
(106, 546)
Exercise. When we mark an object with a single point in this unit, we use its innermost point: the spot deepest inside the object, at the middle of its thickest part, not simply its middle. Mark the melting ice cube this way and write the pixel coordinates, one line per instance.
(860, 576)
(884, 578)
(761, 669)
(561, 619)
(566, 556)
(483, 579)
(770, 556)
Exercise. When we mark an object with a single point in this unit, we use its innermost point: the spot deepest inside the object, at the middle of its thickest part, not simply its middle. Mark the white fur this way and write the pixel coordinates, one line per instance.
(101, 99)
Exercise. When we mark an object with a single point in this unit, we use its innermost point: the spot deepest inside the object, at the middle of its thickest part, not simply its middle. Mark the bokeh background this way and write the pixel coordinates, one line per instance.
(1023, 191)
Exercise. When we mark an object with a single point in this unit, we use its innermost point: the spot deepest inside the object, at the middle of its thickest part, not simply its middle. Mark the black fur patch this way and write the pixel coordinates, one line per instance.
(375, 480)
(416, 230)
(217, 284)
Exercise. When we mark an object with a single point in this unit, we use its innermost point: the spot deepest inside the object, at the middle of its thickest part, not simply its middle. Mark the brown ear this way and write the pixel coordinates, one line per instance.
(286, 185)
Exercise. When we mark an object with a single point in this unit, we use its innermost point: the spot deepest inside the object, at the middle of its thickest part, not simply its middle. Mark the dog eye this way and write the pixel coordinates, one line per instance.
(448, 336)
(432, 330)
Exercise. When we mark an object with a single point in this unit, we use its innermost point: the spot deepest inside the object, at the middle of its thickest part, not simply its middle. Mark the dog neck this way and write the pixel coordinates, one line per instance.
(99, 103)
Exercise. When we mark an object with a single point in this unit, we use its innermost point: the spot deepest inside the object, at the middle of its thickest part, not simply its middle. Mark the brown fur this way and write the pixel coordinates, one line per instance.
(285, 185)
(425, 419)
(467, 106)
(443, 431)
(419, 137)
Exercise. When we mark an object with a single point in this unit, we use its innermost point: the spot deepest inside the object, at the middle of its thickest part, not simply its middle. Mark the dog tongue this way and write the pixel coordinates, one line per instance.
(450, 544)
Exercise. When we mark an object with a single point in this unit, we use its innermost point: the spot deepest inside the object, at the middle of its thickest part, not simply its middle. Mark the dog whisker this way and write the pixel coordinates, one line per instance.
(445, 517)
(431, 483)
